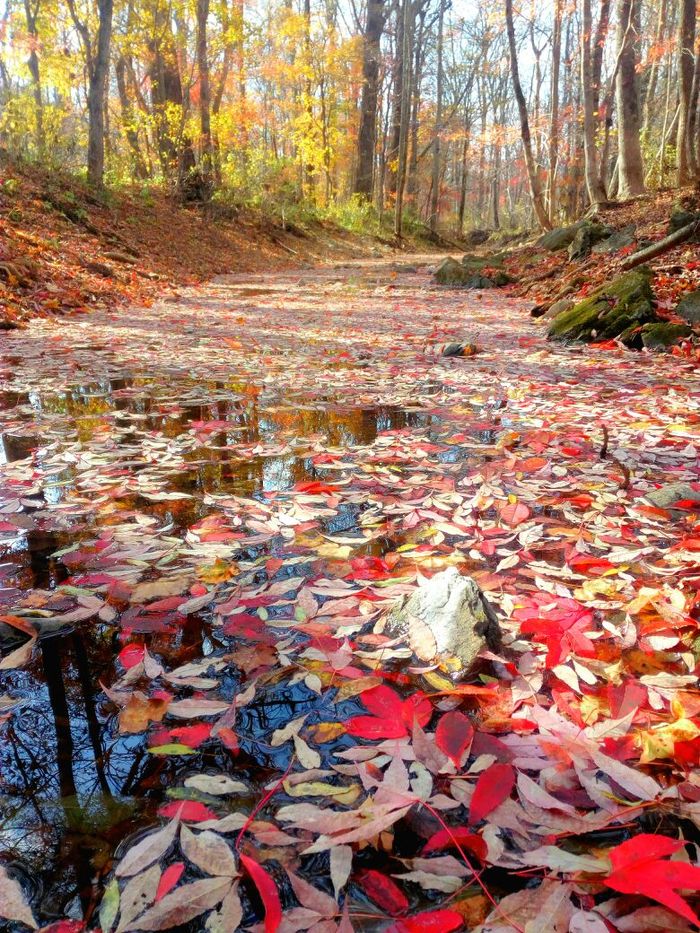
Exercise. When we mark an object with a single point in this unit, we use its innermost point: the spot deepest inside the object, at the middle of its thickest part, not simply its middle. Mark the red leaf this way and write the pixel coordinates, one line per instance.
(393, 717)
(383, 891)
(267, 889)
(169, 879)
(190, 811)
(444, 839)
(65, 926)
(192, 735)
(492, 788)
(131, 655)
(514, 513)
(454, 735)
(432, 921)
(382, 701)
(638, 869)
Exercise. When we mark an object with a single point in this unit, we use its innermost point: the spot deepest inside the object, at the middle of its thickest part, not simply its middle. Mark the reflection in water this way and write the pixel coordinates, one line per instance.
(73, 787)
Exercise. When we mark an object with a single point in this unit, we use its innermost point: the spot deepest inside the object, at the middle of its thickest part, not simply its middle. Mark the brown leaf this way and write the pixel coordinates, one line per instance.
(184, 904)
(209, 852)
(140, 711)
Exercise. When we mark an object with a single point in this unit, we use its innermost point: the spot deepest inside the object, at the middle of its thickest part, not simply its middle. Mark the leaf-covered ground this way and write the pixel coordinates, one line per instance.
(207, 510)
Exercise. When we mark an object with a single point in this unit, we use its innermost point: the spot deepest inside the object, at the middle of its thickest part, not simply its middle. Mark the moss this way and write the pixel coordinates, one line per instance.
(662, 335)
(622, 305)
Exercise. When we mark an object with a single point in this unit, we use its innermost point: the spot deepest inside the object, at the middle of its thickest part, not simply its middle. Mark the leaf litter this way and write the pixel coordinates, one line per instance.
(207, 511)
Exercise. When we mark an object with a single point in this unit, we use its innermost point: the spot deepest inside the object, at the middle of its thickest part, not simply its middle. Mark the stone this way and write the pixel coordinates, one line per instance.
(559, 237)
(586, 237)
(681, 218)
(456, 613)
(689, 307)
(479, 263)
(451, 272)
(558, 307)
(616, 241)
(617, 309)
(456, 274)
(666, 496)
(662, 335)
(460, 349)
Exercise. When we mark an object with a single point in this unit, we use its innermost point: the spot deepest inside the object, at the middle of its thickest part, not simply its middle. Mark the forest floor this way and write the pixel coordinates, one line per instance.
(207, 509)
(64, 251)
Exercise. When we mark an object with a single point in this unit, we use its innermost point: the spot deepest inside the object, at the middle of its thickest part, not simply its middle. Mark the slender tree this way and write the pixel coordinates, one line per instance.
(532, 171)
(630, 164)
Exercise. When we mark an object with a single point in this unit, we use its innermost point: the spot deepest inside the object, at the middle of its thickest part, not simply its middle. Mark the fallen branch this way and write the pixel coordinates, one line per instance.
(663, 246)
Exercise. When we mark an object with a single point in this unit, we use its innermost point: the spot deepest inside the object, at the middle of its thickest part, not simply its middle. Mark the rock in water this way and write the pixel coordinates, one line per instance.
(665, 497)
(456, 613)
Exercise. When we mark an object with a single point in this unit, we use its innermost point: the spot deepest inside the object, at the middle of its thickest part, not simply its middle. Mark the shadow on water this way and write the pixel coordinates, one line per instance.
(73, 787)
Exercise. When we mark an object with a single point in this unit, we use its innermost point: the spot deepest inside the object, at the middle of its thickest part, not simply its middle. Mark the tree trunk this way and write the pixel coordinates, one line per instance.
(596, 192)
(403, 118)
(204, 92)
(34, 71)
(533, 177)
(367, 137)
(686, 61)
(435, 193)
(554, 112)
(96, 95)
(128, 123)
(630, 163)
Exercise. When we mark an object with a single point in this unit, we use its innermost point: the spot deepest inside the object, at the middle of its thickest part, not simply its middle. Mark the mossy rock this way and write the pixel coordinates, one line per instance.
(451, 272)
(479, 263)
(587, 236)
(681, 218)
(481, 275)
(617, 309)
(663, 335)
(559, 237)
(619, 239)
(689, 307)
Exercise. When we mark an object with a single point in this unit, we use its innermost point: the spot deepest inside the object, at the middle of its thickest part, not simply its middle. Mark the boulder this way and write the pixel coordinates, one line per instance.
(617, 240)
(663, 335)
(617, 309)
(559, 237)
(451, 272)
(689, 307)
(479, 263)
(680, 217)
(472, 275)
(587, 235)
(558, 307)
(452, 611)
(667, 496)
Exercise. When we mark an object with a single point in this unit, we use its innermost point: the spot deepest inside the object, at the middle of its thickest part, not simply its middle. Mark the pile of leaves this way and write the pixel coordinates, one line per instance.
(273, 472)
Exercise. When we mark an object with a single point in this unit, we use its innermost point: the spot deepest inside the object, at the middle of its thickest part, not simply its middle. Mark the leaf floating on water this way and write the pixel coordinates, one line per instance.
(184, 904)
(267, 889)
(13, 905)
(153, 846)
(209, 852)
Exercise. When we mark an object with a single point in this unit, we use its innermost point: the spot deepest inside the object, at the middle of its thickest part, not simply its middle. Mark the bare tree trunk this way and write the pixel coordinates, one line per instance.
(630, 163)
(96, 95)
(533, 177)
(204, 93)
(554, 112)
(596, 192)
(686, 42)
(367, 136)
(31, 14)
(435, 194)
(132, 137)
(403, 118)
